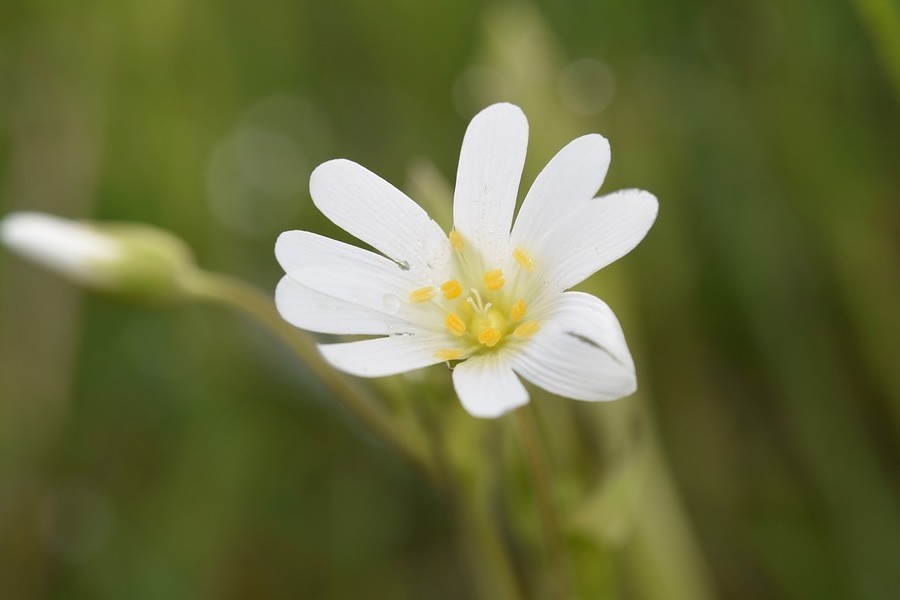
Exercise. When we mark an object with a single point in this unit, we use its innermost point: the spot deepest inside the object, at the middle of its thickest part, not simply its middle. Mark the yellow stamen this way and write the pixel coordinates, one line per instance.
(422, 294)
(451, 289)
(456, 241)
(517, 311)
(526, 329)
(455, 324)
(449, 354)
(489, 336)
(494, 279)
(524, 259)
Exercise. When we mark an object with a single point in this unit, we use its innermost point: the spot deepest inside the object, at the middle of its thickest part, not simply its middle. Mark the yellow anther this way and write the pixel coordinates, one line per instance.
(422, 294)
(449, 354)
(451, 289)
(494, 279)
(456, 241)
(455, 324)
(526, 329)
(489, 336)
(517, 311)
(524, 259)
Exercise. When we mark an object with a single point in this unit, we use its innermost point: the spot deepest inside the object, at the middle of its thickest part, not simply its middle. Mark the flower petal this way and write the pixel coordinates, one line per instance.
(65, 246)
(384, 356)
(374, 211)
(487, 386)
(308, 309)
(569, 180)
(350, 274)
(487, 180)
(594, 235)
(579, 352)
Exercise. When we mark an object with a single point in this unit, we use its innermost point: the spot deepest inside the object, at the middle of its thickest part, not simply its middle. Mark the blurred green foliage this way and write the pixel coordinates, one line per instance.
(184, 454)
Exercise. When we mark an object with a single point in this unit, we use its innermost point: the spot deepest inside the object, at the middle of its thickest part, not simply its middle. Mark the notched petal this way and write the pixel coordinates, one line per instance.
(569, 180)
(487, 386)
(376, 212)
(487, 179)
(596, 234)
(580, 352)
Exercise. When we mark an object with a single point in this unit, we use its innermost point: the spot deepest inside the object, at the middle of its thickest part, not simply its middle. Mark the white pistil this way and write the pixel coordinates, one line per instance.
(477, 303)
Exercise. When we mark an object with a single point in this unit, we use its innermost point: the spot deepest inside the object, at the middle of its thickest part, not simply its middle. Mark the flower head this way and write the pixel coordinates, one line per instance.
(488, 296)
(133, 260)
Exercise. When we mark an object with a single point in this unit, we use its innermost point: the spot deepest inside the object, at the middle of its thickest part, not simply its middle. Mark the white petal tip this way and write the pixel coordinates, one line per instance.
(645, 200)
(481, 411)
(501, 111)
(55, 242)
(284, 302)
(284, 244)
(650, 204)
(328, 166)
(333, 355)
(18, 228)
(328, 175)
(626, 387)
(383, 356)
(596, 140)
(487, 387)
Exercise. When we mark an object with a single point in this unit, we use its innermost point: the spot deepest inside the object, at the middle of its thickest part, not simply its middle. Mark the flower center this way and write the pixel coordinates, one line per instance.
(480, 310)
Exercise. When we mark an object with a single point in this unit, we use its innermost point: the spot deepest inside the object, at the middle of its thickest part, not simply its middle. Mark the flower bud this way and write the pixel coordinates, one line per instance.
(137, 261)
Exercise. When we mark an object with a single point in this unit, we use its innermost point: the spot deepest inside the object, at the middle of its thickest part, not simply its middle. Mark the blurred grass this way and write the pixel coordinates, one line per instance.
(183, 453)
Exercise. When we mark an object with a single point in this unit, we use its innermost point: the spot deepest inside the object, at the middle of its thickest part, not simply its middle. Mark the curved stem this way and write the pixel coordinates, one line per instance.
(235, 293)
(540, 476)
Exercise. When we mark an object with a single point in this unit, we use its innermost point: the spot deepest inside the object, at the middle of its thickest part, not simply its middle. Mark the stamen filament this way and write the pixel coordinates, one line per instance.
(477, 304)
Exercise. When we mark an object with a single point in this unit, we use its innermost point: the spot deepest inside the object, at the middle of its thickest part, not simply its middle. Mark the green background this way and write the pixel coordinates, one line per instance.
(182, 452)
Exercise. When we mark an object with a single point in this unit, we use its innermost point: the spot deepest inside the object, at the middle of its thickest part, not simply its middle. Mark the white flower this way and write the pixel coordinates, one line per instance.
(133, 260)
(68, 247)
(489, 294)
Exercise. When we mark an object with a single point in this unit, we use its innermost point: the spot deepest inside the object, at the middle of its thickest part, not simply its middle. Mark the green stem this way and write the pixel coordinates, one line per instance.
(540, 477)
(663, 555)
(489, 563)
(232, 292)
(469, 479)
